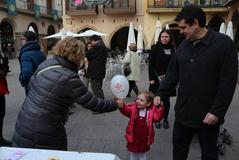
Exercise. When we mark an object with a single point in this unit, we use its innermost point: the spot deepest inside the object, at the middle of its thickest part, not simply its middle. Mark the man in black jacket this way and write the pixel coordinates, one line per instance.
(205, 66)
(97, 57)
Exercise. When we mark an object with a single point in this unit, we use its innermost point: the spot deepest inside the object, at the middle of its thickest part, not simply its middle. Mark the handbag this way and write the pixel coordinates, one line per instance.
(127, 68)
(172, 92)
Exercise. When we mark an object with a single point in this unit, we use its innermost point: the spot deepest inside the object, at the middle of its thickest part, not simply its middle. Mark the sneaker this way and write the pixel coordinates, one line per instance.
(157, 125)
(165, 125)
(4, 142)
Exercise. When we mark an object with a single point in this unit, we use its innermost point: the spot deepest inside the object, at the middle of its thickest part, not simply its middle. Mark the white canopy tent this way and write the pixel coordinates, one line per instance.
(158, 30)
(140, 39)
(62, 34)
(167, 26)
(31, 29)
(222, 28)
(131, 36)
(89, 33)
(229, 30)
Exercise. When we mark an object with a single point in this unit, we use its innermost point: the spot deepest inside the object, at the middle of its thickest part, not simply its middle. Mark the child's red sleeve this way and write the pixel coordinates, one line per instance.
(126, 110)
(159, 113)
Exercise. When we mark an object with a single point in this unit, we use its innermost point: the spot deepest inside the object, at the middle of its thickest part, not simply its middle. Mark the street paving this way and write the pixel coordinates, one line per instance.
(88, 132)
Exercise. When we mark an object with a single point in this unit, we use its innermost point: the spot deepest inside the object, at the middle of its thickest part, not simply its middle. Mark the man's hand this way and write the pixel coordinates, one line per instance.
(157, 101)
(210, 119)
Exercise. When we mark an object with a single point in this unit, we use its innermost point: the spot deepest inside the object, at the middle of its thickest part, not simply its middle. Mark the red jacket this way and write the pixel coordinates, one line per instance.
(154, 114)
(3, 86)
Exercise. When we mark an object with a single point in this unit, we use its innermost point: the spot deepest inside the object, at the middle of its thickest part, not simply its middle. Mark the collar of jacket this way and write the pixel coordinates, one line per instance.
(66, 63)
(29, 46)
(207, 38)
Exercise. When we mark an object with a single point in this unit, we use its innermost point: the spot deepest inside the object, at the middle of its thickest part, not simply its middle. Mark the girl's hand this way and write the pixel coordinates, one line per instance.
(119, 102)
(157, 101)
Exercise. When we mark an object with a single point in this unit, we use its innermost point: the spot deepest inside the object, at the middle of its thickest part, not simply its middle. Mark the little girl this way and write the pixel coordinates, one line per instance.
(140, 131)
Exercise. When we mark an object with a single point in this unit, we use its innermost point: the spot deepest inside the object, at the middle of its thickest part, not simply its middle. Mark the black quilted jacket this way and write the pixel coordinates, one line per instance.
(40, 123)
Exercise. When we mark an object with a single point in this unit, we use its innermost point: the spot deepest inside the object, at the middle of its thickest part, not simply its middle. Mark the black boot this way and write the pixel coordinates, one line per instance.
(157, 125)
(3, 142)
(165, 124)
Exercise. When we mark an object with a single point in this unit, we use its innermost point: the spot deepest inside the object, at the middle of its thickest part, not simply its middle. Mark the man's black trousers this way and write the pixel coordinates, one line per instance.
(207, 137)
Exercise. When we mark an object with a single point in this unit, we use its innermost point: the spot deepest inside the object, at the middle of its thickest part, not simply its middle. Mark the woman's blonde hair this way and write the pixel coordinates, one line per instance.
(70, 48)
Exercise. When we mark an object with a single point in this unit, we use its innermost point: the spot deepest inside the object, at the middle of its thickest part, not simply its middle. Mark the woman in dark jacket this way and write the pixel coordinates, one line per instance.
(54, 87)
(159, 59)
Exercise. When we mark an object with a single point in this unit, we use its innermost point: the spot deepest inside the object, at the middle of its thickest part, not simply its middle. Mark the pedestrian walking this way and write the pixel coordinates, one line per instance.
(55, 87)
(3, 92)
(159, 59)
(140, 131)
(133, 59)
(96, 57)
(30, 57)
(84, 66)
(205, 66)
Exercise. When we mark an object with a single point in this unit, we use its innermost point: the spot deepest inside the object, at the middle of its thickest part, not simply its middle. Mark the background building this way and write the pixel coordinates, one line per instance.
(114, 18)
(16, 16)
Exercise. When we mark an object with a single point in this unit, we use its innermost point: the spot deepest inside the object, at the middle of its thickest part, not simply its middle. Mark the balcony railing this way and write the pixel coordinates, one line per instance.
(82, 9)
(120, 7)
(181, 3)
(24, 7)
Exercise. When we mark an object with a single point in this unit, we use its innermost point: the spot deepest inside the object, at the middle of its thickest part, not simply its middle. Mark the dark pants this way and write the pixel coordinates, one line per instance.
(96, 86)
(207, 136)
(2, 113)
(153, 87)
(166, 104)
(132, 86)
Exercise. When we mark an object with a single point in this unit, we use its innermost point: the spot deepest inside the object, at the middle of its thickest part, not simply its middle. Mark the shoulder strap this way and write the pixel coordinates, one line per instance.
(47, 68)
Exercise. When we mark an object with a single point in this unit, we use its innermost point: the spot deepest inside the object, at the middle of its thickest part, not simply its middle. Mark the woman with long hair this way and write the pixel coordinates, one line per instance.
(159, 59)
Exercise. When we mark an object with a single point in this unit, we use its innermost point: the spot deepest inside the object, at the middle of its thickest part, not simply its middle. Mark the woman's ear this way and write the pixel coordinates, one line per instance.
(196, 22)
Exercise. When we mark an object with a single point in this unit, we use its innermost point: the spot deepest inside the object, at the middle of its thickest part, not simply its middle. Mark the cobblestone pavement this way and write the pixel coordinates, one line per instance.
(105, 132)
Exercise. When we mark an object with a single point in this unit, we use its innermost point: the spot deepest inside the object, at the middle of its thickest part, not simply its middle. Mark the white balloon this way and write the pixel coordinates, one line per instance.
(119, 86)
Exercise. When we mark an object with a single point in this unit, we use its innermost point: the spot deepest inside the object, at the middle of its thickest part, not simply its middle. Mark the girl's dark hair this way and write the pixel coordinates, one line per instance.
(191, 12)
(171, 41)
(149, 95)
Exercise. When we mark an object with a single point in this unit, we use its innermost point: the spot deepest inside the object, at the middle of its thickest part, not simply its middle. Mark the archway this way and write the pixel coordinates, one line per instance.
(51, 30)
(83, 39)
(215, 22)
(84, 29)
(34, 26)
(119, 39)
(235, 22)
(7, 40)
